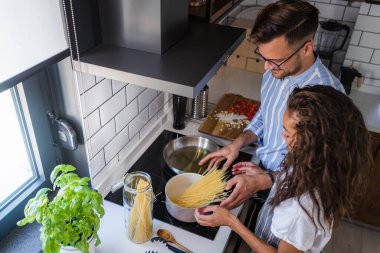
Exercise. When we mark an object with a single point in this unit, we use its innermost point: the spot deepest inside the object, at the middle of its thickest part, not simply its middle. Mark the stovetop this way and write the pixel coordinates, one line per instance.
(153, 163)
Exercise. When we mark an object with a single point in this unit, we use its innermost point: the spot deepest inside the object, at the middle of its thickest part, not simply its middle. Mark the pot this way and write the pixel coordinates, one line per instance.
(69, 249)
(183, 154)
(174, 187)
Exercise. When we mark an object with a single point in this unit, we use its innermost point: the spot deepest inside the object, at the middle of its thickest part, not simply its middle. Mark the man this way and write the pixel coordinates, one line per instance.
(284, 33)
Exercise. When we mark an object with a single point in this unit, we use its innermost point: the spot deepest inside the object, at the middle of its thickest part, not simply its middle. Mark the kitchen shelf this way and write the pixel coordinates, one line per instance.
(184, 69)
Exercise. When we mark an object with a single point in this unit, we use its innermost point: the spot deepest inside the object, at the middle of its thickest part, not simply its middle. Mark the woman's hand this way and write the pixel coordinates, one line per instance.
(248, 168)
(220, 216)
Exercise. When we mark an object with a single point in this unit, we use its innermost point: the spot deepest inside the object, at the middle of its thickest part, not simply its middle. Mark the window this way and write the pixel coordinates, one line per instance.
(27, 155)
(17, 165)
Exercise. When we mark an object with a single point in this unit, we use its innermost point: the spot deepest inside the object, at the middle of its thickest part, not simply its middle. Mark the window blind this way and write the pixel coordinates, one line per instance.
(32, 33)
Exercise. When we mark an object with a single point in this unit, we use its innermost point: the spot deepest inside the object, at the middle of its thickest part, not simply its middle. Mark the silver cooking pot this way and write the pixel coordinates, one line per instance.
(183, 154)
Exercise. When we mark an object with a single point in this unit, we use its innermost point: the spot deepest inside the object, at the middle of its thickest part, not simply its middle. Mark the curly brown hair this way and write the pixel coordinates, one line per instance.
(330, 160)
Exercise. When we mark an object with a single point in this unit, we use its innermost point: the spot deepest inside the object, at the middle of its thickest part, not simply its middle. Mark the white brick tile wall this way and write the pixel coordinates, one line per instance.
(93, 121)
(339, 2)
(376, 57)
(98, 78)
(97, 95)
(117, 143)
(128, 148)
(364, 52)
(138, 122)
(369, 70)
(371, 40)
(356, 4)
(156, 105)
(99, 178)
(145, 98)
(350, 14)
(148, 127)
(112, 106)
(133, 91)
(347, 63)
(364, 9)
(86, 83)
(359, 53)
(375, 10)
(98, 162)
(126, 115)
(330, 11)
(117, 85)
(355, 37)
(368, 24)
(372, 82)
(102, 137)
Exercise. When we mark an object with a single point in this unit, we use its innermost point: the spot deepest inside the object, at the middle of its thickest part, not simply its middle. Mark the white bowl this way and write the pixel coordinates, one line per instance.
(174, 187)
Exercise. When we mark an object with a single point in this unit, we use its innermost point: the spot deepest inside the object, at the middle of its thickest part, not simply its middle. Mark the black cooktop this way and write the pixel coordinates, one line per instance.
(153, 163)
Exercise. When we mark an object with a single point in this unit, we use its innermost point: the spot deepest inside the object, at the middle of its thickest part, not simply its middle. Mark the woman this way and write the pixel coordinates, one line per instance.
(327, 163)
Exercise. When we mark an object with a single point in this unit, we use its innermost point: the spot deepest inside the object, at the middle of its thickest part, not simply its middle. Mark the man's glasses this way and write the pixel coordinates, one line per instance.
(278, 65)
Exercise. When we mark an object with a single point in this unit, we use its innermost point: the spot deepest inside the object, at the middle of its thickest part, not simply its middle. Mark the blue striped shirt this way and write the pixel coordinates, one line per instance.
(268, 121)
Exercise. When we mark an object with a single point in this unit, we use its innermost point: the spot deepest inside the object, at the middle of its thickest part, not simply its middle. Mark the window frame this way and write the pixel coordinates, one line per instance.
(35, 101)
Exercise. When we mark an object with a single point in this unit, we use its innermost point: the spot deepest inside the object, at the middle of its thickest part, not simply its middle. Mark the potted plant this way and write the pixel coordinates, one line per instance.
(71, 218)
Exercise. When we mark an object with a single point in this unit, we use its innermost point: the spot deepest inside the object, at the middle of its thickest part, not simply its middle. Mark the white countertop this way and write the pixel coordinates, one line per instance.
(114, 237)
(247, 84)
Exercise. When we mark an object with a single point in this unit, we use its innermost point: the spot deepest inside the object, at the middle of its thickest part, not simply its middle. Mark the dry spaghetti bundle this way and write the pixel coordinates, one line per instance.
(140, 219)
(208, 189)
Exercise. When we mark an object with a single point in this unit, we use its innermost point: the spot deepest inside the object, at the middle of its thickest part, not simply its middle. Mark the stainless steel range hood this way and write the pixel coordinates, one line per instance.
(184, 69)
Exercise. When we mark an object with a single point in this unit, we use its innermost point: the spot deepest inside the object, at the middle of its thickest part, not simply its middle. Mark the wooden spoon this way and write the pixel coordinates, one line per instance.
(165, 234)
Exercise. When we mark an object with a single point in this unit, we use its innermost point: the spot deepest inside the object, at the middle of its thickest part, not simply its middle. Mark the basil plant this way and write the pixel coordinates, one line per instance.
(72, 217)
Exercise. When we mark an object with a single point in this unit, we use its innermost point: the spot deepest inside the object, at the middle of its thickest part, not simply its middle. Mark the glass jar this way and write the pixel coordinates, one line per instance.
(138, 206)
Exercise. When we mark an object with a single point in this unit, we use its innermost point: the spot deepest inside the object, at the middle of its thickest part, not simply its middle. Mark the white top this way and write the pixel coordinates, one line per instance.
(290, 223)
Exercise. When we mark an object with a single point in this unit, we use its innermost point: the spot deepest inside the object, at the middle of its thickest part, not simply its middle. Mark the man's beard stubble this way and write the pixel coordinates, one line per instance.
(282, 73)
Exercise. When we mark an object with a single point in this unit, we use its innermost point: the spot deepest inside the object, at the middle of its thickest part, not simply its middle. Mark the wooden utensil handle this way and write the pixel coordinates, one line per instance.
(183, 247)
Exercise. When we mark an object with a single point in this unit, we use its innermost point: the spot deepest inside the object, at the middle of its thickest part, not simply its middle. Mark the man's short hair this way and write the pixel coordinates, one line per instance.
(294, 19)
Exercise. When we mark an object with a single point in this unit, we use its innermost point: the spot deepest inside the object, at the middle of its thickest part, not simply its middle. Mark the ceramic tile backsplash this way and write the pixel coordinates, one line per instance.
(139, 122)
(363, 52)
(97, 95)
(145, 98)
(116, 144)
(116, 86)
(326, 11)
(113, 106)
(93, 123)
(133, 91)
(126, 115)
(119, 115)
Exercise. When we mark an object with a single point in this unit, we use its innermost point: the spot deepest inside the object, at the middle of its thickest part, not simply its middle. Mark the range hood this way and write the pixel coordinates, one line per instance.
(184, 69)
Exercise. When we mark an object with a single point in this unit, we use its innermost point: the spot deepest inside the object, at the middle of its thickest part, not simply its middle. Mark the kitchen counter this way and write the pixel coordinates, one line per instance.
(114, 238)
(247, 84)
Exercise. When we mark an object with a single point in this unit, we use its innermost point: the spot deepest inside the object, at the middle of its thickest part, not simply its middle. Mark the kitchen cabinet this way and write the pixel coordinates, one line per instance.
(244, 57)
(184, 69)
(368, 207)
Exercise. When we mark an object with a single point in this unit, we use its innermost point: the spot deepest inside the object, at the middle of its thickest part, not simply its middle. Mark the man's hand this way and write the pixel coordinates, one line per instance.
(245, 187)
(229, 152)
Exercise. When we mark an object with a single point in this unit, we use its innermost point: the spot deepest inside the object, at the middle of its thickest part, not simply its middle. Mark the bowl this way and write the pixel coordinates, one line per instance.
(183, 154)
(174, 187)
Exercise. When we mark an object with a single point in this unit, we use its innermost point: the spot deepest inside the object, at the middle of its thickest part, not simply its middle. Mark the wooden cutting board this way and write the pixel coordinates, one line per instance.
(212, 126)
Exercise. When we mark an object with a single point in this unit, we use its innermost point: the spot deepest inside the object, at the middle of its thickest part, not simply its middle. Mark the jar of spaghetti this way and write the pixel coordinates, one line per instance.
(138, 206)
